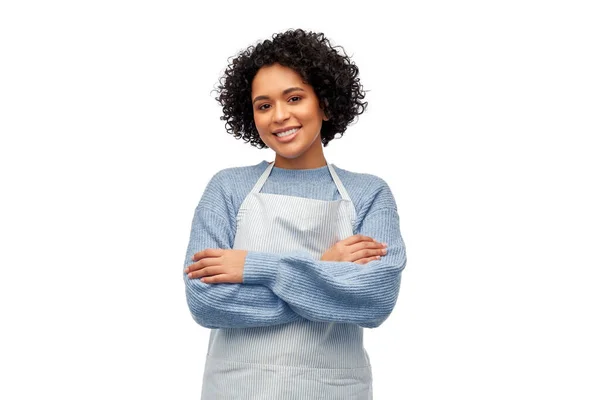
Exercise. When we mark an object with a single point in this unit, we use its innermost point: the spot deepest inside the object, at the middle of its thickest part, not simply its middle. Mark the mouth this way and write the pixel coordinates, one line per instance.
(285, 131)
(287, 135)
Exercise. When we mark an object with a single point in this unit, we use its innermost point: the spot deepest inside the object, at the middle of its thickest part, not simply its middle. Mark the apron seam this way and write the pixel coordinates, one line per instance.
(368, 366)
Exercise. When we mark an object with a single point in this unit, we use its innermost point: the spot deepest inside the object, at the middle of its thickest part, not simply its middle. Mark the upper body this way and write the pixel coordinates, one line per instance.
(336, 291)
(293, 95)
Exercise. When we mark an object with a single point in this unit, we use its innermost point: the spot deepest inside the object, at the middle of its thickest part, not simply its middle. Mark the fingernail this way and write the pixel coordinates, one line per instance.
(187, 270)
(190, 275)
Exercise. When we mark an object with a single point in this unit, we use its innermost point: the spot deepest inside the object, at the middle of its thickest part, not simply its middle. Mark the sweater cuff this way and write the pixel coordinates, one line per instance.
(260, 268)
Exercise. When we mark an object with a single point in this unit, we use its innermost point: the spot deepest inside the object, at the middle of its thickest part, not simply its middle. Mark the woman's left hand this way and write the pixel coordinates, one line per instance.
(218, 266)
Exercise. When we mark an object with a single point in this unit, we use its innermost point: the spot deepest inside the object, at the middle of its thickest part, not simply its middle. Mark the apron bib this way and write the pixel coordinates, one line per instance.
(302, 359)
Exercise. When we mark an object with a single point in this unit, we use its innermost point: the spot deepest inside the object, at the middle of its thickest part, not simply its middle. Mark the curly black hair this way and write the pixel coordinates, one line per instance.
(333, 76)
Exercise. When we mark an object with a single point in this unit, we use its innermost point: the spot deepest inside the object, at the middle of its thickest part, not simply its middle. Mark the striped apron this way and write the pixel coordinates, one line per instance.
(302, 359)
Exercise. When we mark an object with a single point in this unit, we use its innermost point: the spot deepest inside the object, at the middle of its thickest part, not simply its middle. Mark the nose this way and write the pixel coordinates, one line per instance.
(281, 113)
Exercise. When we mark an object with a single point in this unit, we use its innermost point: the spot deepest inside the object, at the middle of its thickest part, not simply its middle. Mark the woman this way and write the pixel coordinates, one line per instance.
(288, 261)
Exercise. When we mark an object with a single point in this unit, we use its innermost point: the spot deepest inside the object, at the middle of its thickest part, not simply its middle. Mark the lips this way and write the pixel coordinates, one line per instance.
(288, 138)
(285, 129)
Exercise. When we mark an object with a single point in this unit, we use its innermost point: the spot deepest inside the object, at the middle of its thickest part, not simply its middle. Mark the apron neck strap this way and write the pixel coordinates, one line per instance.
(263, 178)
(338, 183)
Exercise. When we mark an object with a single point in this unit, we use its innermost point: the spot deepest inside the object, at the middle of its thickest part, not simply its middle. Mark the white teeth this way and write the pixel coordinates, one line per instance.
(286, 133)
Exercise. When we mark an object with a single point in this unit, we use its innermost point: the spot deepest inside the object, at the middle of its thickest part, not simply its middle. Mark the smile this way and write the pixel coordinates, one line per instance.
(287, 133)
(287, 136)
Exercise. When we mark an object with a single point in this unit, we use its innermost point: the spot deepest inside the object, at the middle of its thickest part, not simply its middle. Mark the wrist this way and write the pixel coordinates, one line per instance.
(260, 268)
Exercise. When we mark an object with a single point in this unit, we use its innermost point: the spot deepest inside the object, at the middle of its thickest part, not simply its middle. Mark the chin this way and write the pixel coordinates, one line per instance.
(289, 155)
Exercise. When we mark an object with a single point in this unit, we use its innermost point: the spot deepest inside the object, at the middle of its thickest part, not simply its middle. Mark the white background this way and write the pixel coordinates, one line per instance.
(483, 118)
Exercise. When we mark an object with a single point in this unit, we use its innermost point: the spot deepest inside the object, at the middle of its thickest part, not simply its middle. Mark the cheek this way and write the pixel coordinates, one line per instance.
(311, 114)
(259, 123)
(262, 127)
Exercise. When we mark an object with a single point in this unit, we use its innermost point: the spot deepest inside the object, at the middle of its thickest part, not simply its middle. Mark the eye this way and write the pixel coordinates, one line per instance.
(295, 97)
(261, 107)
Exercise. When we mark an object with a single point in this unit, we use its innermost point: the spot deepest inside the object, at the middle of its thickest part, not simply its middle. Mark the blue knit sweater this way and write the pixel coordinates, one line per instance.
(281, 288)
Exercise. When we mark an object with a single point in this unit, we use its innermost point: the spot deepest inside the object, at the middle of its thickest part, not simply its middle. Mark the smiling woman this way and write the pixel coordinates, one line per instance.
(288, 261)
(288, 117)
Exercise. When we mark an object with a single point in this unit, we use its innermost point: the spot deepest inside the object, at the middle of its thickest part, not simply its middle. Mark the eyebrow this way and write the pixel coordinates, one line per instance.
(286, 91)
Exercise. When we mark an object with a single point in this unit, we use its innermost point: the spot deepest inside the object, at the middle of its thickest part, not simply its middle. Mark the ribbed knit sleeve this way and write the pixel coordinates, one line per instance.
(226, 305)
(338, 291)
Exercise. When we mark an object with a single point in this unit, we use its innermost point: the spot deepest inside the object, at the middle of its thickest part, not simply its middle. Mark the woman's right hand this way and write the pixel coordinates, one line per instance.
(357, 248)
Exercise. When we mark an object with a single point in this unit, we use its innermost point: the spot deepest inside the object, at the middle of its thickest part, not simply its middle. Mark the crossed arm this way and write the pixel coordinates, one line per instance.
(281, 288)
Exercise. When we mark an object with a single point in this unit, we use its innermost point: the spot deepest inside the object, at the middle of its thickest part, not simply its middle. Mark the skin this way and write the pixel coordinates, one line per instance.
(282, 100)
(227, 265)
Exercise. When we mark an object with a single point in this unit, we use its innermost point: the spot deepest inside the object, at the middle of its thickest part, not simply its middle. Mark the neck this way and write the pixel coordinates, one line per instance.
(286, 163)
(313, 158)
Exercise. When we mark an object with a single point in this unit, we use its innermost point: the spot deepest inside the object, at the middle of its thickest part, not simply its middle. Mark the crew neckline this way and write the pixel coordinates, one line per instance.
(310, 173)
(296, 169)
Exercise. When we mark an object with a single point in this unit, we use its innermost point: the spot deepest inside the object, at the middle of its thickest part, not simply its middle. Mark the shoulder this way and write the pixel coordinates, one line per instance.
(368, 192)
(351, 177)
(235, 178)
(233, 173)
(228, 187)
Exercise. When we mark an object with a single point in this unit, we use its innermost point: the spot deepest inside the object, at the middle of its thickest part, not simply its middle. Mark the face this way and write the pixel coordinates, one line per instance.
(283, 104)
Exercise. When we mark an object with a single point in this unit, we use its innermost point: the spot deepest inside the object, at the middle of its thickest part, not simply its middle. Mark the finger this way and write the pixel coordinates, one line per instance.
(368, 253)
(211, 252)
(216, 279)
(203, 263)
(356, 238)
(367, 260)
(364, 245)
(208, 271)
(207, 253)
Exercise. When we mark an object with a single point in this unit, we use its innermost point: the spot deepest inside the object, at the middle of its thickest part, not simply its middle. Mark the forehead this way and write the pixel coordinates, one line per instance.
(274, 79)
